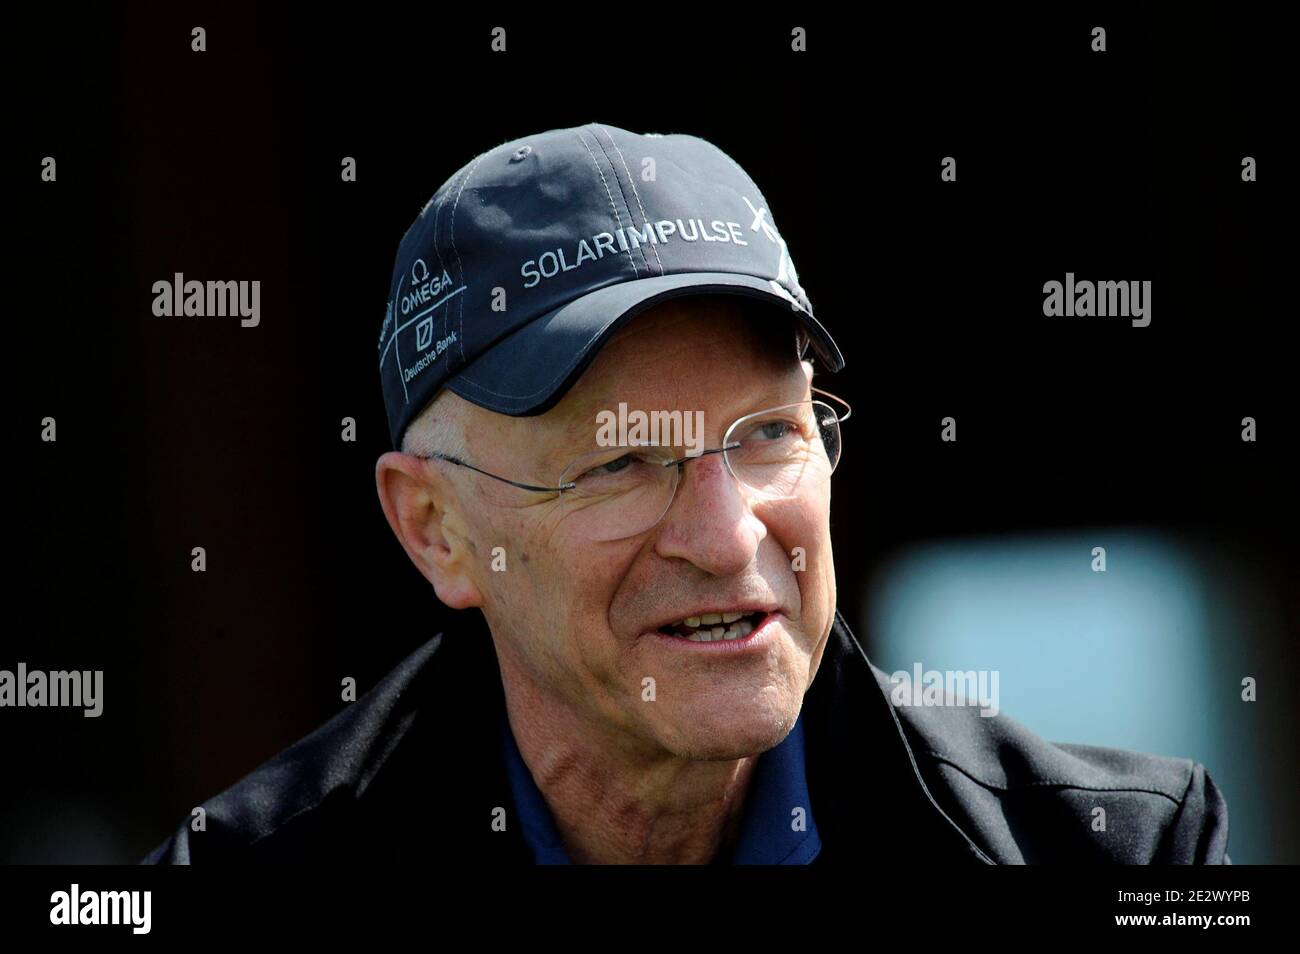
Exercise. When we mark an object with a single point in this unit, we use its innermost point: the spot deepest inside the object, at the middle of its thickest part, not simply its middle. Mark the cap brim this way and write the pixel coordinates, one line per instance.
(528, 371)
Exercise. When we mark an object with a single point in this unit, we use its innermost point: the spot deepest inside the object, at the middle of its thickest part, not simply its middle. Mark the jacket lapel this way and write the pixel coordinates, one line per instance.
(868, 797)
(449, 767)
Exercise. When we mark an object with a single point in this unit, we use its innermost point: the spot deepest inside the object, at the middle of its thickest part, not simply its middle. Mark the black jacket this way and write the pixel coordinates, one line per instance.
(415, 766)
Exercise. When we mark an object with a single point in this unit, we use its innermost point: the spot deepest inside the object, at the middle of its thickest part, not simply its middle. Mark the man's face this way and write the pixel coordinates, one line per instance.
(581, 619)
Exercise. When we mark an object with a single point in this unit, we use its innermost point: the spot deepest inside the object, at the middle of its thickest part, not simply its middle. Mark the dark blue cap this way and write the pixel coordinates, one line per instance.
(528, 258)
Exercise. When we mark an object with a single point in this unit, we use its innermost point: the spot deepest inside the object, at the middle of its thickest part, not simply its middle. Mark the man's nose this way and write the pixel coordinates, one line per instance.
(710, 522)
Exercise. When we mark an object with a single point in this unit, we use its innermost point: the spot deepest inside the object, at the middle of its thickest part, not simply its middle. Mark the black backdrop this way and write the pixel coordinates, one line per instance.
(181, 433)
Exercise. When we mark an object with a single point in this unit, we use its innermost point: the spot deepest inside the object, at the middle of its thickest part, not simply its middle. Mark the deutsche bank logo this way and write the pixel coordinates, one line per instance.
(424, 334)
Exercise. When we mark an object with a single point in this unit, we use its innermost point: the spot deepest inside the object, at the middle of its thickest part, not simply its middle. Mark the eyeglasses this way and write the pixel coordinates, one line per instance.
(622, 491)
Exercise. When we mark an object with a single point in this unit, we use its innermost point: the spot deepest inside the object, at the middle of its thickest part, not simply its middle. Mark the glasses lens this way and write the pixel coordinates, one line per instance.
(786, 449)
(828, 429)
(618, 491)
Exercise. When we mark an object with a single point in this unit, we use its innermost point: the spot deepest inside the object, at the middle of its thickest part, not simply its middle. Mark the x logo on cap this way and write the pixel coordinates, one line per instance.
(760, 221)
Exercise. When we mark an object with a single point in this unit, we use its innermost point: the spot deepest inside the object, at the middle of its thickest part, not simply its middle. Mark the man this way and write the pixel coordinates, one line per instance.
(597, 362)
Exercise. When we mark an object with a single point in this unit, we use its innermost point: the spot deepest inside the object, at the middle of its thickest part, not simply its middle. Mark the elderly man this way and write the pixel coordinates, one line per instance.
(598, 366)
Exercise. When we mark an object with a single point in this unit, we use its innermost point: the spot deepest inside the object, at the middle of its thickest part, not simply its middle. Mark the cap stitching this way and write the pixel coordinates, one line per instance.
(636, 195)
(618, 220)
(397, 348)
(437, 216)
(394, 290)
(460, 271)
(622, 193)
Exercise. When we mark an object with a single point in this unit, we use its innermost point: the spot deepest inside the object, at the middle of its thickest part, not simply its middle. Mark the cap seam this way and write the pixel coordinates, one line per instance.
(618, 219)
(627, 205)
(460, 271)
(437, 217)
(636, 195)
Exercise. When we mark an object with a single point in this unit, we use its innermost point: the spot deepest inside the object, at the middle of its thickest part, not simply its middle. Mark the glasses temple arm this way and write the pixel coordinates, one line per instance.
(847, 407)
(505, 480)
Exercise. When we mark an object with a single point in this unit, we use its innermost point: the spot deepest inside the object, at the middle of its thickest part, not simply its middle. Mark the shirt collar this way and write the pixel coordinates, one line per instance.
(535, 819)
(777, 827)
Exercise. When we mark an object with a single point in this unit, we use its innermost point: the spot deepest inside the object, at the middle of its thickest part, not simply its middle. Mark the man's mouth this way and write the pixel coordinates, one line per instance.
(712, 627)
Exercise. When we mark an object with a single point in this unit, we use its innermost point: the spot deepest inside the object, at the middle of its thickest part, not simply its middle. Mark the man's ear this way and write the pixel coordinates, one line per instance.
(422, 509)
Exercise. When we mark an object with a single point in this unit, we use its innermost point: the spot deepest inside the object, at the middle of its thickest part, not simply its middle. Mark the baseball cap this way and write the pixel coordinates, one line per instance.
(534, 253)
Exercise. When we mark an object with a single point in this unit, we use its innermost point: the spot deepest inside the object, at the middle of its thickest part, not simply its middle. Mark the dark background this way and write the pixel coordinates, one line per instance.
(225, 165)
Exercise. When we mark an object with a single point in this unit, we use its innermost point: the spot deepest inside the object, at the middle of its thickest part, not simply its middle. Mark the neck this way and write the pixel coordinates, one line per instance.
(616, 800)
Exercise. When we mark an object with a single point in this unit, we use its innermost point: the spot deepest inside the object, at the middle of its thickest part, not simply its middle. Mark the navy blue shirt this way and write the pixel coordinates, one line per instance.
(767, 833)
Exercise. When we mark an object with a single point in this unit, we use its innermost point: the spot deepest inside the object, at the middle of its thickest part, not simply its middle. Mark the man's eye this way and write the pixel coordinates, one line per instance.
(614, 466)
(772, 430)
(619, 466)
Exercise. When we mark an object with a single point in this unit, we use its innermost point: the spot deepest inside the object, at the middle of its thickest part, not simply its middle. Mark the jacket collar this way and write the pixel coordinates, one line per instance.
(867, 791)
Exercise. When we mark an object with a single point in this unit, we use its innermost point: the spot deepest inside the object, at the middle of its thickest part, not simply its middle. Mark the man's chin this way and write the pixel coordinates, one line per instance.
(717, 736)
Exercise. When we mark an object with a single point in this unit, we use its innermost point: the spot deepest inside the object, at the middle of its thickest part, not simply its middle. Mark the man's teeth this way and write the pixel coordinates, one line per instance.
(710, 619)
(707, 627)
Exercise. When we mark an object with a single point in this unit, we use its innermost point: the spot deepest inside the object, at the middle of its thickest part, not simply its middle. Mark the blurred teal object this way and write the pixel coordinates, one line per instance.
(1146, 655)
